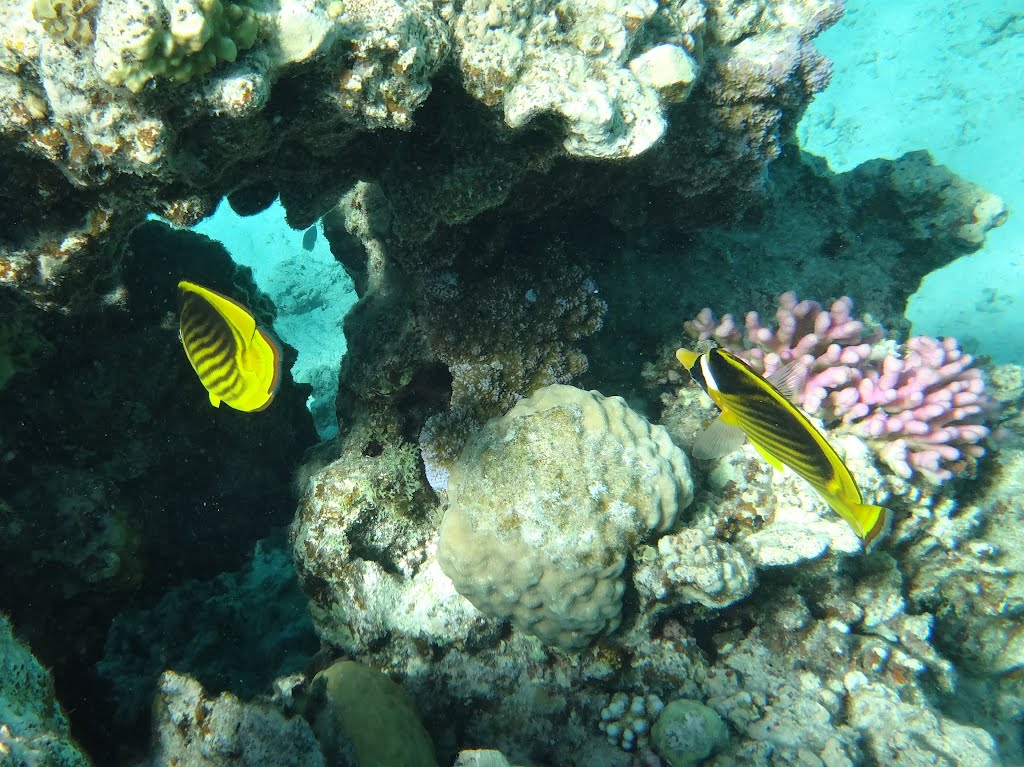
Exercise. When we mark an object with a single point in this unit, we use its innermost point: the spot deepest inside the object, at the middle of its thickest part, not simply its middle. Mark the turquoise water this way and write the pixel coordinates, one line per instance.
(946, 87)
(430, 547)
(311, 291)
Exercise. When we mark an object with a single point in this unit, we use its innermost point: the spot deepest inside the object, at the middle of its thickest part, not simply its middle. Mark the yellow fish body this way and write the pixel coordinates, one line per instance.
(237, 362)
(753, 408)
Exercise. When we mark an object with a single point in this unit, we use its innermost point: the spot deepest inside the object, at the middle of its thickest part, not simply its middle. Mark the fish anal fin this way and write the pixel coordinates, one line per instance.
(720, 439)
(775, 462)
(869, 522)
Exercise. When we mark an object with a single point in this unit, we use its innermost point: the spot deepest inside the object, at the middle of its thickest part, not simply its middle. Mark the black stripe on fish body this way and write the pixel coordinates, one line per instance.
(220, 342)
(197, 313)
(697, 374)
(212, 350)
(222, 379)
(786, 435)
(205, 332)
(773, 423)
(197, 322)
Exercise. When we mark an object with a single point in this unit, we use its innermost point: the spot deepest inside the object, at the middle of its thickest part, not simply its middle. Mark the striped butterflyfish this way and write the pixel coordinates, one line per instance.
(755, 408)
(237, 362)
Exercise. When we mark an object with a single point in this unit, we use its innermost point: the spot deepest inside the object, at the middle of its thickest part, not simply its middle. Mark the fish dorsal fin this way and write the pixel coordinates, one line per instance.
(720, 439)
(789, 380)
(236, 315)
(775, 462)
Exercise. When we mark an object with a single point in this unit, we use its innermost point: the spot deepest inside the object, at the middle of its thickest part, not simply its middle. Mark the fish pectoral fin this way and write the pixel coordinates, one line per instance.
(720, 439)
(789, 380)
(214, 400)
(775, 462)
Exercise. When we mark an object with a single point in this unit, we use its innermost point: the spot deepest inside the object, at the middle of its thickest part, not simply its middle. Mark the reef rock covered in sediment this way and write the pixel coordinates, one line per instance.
(120, 108)
(546, 504)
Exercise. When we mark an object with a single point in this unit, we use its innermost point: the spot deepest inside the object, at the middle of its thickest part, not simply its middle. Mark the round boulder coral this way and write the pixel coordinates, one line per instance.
(547, 502)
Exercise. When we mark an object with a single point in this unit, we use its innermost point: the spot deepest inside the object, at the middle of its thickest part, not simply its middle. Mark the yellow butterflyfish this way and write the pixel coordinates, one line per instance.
(237, 362)
(754, 408)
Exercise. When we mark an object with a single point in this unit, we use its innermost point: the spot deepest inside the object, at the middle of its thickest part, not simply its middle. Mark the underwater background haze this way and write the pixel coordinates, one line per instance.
(511, 383)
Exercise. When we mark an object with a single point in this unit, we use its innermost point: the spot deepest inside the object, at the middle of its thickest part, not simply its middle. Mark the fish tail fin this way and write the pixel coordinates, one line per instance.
(870, 522)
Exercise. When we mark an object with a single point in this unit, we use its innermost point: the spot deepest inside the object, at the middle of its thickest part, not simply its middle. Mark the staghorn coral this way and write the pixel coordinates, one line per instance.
(920, 404)
(828, 345)
(924, 406)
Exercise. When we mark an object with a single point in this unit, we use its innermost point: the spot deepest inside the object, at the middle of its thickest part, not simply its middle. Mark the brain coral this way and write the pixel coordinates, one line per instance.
(546, 503)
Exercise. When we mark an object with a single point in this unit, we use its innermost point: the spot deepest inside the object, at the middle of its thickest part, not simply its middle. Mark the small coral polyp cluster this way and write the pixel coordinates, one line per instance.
(174, 39)
(920, 404)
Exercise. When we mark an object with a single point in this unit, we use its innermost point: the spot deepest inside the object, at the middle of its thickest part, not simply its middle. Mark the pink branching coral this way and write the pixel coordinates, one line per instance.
(920, 405)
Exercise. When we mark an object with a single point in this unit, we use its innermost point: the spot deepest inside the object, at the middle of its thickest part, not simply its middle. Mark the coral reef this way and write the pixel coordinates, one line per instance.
(777, 666)
(687, 732)
(626, 720)
(490, 262)
(789, 710)
(133, 46)
(365, 714)
(920, 404)
(258, 611)
(193, 122)
(545, 505)
(33, 726)
(361, 541)
(605, 68)
(193, 729)
(68, 20)
(119, 480)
